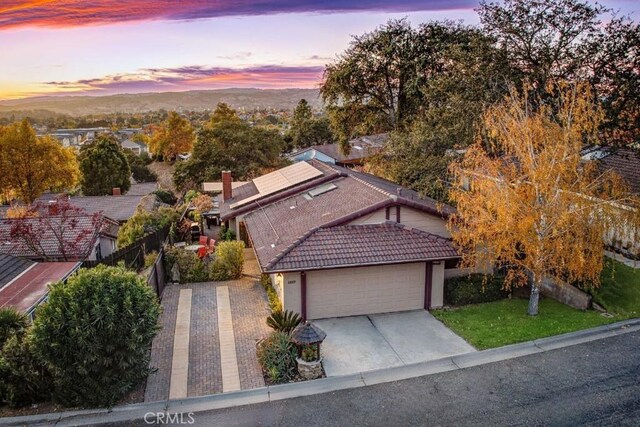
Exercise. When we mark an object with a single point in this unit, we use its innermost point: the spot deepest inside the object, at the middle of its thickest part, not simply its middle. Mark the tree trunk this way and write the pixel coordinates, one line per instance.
(534, 298)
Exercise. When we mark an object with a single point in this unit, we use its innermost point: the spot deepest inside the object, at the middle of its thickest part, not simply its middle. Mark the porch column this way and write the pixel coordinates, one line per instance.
(428, 279)
(303, 295)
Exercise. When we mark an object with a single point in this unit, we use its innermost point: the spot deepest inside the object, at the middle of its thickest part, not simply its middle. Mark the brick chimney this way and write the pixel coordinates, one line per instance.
(53, 207)
(227, 191)
(116, 192)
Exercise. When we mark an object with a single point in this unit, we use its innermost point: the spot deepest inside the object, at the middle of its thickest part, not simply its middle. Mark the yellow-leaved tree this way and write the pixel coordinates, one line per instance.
(527, 201)
(32, 164)
(174, 136)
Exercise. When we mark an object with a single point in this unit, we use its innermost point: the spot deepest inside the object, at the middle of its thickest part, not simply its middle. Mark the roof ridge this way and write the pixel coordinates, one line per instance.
(291, 247)
(375, 187)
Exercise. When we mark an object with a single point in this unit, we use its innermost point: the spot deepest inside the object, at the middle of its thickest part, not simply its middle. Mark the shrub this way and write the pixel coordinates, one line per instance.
(471, 290)
(23, 378)
(143, 222)
(165, 197)
(309, 354)
(274, 300)
(12, 323)
(284, 321)
(142, 173)
(192, 269)
(150, 259)
(277, 356)
(229, 261)
(190, 195)
(226, 234)
(94, 335)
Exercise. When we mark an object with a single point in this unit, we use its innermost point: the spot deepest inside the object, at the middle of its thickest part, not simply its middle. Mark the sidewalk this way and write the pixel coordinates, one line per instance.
(285, 391)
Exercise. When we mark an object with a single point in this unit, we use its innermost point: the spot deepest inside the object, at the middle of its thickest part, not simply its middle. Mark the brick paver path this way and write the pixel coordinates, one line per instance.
(249, 309)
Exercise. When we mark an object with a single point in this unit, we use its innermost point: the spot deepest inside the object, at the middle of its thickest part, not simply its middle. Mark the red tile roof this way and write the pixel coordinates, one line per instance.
(27, 290)
(360, 245)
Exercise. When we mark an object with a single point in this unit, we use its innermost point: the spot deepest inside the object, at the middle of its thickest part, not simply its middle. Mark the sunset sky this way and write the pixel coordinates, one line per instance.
(104, 47)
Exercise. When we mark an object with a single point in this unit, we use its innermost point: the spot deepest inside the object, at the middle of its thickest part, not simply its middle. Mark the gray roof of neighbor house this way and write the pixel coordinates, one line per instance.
(360, 245)
(626, 163)
(280, 226)
(11, 267)
(79, 237)
(127, 143)
(361, 148)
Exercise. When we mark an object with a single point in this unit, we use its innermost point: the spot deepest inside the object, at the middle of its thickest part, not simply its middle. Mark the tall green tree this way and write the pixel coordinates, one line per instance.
(556, 41)
(374, 85)
(307, 130)
(228, 143)
(104, 166)
(470, 75)
(31, 164)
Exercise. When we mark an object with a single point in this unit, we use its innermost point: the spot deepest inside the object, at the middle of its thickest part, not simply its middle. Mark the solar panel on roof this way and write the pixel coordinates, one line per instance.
(280, 180)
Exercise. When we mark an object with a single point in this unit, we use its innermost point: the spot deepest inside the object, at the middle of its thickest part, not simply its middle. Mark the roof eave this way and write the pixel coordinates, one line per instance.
(368, 264)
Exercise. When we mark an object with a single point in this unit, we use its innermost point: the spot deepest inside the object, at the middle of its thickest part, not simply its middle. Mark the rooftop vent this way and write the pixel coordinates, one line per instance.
(321, 189)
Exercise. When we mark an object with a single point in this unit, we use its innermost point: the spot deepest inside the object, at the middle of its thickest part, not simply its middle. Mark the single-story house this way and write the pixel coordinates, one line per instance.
(133, 146)
(626, 163)
(117, 207)
(24, 284)
(337, 242)
(362, 148)
(57, 239)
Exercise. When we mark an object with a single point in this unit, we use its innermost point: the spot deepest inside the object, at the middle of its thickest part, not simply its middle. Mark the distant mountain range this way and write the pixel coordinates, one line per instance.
(241, 99)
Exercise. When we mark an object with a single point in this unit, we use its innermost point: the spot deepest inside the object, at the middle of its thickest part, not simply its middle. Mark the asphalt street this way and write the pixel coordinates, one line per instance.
(597, 383)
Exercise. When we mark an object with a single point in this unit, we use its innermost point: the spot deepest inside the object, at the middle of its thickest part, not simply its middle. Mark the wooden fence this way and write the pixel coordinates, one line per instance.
(157, 278)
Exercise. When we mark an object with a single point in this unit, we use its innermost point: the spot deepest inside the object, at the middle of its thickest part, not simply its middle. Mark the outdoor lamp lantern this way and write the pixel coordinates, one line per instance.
(308, 335)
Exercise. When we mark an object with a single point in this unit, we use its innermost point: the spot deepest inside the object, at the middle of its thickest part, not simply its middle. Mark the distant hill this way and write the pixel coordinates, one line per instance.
(247, 99)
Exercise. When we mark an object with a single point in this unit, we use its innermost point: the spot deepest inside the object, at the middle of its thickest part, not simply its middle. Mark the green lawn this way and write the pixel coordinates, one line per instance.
(619, 290)
(499, 323)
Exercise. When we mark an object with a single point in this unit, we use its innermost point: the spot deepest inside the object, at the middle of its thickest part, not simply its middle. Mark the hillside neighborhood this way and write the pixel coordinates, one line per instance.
(450, 226)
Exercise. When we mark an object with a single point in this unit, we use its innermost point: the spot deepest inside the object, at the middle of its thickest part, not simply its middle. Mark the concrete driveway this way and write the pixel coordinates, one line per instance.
(364, 343)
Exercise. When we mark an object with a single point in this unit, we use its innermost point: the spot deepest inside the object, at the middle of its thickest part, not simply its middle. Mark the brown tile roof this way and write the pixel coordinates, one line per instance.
(80, 235)
(276, 226)
(627, 164)
(353, 245)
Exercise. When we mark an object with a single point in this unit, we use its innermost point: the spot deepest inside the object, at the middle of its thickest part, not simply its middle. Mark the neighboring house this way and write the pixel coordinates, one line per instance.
(76, 238)
(626, 163)
(24, 284)
(119, 208)
(135, 147)
(362, 148)
(337, 242)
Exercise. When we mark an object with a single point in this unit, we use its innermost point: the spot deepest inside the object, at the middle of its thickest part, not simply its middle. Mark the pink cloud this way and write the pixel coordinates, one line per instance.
(73, 13)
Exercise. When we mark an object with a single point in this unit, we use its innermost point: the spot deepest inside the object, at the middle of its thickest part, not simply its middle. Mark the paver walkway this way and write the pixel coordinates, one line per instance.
(228, 358)
(248, 307)
(180, 362)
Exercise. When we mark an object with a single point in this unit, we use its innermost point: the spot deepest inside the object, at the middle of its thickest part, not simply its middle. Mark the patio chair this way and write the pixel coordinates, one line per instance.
(204, 240)
(212, 246)
(202, 252)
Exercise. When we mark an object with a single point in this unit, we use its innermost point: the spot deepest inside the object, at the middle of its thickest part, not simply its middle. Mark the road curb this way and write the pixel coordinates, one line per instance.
(284, 391)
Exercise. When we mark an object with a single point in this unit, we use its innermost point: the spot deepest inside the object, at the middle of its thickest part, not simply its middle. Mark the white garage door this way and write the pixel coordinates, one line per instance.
(365, 290)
